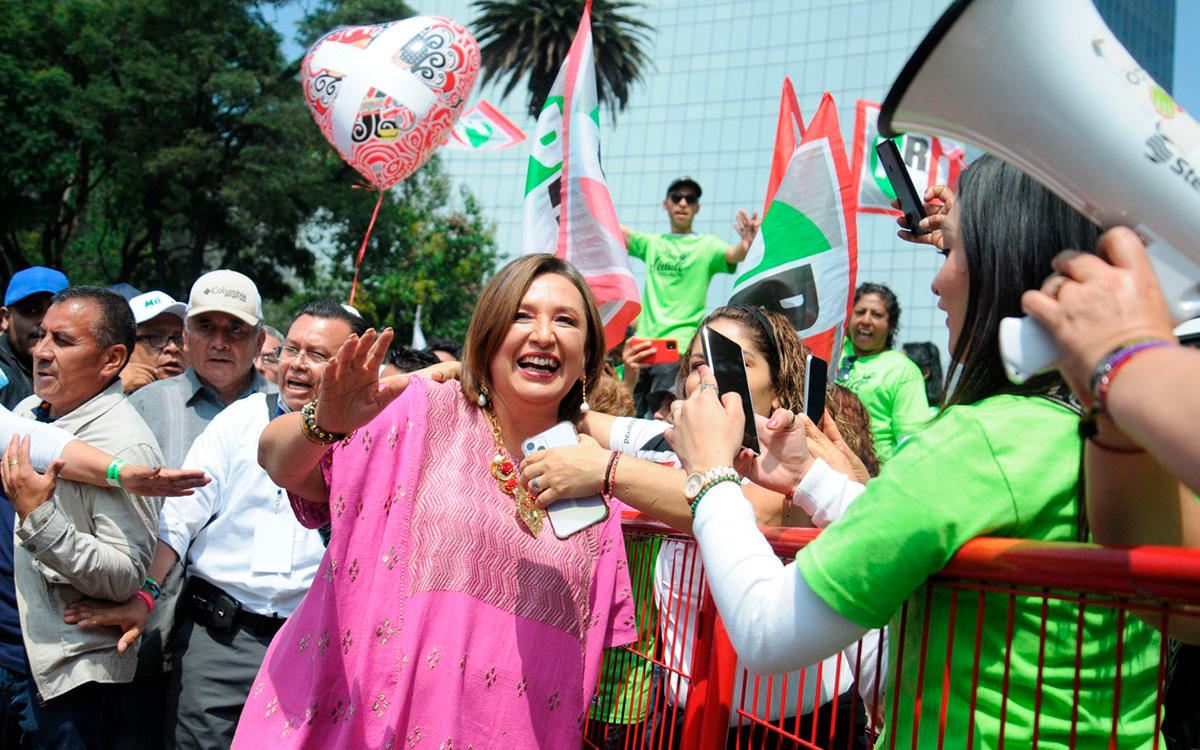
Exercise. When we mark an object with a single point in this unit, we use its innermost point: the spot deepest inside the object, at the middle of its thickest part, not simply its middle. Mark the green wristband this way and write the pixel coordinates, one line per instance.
(113, 477)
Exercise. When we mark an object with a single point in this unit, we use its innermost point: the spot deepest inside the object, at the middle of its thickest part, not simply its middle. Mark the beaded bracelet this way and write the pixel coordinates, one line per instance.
(719, 475)
(113, 475)
(610, 475)
(149, 600)
(308, 426)
(152, 587)
(1104, 373)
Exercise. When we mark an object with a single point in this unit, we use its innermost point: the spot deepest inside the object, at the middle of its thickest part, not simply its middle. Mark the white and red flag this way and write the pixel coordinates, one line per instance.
(568, 209)
(930, 161)
(804, 261)
(483, 128)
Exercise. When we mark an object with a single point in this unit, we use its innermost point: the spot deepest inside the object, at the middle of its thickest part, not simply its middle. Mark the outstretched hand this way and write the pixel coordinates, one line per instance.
(935, 216)
(155, 481)
(746, 225)
(130, 616)
(786, 457)
(708, 430)
(351, 393)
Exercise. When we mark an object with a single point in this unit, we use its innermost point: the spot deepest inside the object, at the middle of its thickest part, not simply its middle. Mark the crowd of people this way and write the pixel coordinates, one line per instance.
(226, 534)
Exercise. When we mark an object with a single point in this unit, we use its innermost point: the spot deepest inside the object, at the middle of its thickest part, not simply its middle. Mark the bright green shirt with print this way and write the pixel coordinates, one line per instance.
(892, 389)
(1006, 466)
(678, 269)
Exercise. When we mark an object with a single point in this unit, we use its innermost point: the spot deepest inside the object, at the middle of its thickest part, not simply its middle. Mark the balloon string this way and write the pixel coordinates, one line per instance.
(363, 250)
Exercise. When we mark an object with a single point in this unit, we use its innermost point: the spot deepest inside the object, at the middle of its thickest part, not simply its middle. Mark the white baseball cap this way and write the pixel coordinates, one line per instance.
(150, 305)
(227, 292)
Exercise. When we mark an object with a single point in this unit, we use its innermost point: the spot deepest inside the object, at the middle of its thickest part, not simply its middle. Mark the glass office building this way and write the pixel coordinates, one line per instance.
(708, 109)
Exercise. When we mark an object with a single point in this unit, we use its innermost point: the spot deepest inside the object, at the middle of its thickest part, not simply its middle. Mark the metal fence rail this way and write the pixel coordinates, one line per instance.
(1014, 643)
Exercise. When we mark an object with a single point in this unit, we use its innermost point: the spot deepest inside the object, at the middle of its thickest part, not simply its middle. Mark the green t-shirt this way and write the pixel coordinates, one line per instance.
(624, 693)
(892, 389)
(678, 269)
(1006, 466)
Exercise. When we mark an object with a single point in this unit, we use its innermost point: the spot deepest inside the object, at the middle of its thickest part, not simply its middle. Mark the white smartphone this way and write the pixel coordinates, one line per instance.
(569, 515)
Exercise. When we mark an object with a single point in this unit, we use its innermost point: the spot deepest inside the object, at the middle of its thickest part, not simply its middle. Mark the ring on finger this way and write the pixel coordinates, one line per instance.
(791, 424)
(708, 385)
(13, 462)
(535, 485)
(1058, 285)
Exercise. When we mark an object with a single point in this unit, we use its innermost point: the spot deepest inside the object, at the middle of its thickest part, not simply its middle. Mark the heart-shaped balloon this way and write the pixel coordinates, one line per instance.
(387, 95)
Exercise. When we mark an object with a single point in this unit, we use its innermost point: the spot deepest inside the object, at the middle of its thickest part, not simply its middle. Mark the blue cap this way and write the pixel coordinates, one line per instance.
(32, 281)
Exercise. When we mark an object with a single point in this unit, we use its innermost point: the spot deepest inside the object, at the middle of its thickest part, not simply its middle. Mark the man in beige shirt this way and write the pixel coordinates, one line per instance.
(82, 541)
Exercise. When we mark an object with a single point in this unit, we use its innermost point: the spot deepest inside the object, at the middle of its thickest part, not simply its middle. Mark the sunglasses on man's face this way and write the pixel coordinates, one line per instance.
(690, 198)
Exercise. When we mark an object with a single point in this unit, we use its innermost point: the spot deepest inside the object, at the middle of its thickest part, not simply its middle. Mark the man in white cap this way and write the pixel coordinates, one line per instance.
(159, 352)
(224, 332)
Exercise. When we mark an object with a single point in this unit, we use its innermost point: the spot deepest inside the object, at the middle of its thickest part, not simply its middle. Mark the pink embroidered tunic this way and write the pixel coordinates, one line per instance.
(436, 618)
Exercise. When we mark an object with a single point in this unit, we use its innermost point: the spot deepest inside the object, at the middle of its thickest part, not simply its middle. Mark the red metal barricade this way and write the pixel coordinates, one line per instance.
(1015, 643)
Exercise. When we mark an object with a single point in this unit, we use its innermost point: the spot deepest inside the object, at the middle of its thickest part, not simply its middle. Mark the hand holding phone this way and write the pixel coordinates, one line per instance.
(897, 174)
(571, 514)
(664, 351)
(816, 374)
(724, 357)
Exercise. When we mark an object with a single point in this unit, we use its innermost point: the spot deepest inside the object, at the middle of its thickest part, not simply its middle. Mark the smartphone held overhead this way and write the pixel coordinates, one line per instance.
(897, 174)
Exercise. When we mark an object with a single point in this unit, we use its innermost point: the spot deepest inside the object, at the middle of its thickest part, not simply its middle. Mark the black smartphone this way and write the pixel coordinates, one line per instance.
(897, 174)
(728, 364)
(817, 371)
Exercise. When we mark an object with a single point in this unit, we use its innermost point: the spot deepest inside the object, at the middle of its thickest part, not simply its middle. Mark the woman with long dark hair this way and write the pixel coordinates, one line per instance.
(1000, 460)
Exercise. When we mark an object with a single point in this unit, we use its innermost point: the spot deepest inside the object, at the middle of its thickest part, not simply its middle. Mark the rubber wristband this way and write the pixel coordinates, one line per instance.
(113, 476)
(146, 598)
(152, 587)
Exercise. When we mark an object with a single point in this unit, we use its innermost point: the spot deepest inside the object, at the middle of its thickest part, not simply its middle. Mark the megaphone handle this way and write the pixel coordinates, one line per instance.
(1027, 349)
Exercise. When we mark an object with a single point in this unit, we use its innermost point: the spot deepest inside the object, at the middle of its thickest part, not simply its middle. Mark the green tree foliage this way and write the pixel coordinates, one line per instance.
(148, 141)
(422, 250)
(529, 39)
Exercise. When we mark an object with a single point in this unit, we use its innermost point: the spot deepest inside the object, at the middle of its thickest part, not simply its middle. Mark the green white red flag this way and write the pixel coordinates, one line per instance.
(930, 161)
(483, 128)
(804, 261)
(788, 132)
(568, 209)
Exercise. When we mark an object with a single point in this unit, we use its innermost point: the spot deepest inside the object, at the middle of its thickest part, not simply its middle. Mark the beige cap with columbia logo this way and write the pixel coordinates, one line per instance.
(226, 292)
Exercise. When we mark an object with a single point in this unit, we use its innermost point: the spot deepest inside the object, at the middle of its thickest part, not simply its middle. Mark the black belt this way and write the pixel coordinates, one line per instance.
(214, 608)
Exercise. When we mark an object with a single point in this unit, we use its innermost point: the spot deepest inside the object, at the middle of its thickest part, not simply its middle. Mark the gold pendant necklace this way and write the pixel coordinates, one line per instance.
(504, 469)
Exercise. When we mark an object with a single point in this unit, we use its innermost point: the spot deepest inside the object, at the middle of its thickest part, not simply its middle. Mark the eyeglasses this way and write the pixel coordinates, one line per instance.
(689, 198)
(269, 358)
(158, 341)
(288, 353)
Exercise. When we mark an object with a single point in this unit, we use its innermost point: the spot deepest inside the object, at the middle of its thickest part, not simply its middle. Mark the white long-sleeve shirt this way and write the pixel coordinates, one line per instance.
(216, 527)
(46, 441)
(677, 590)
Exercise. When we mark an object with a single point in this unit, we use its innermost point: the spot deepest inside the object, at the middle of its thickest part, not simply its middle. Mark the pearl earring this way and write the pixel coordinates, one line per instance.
(583, 407)
(482, 399)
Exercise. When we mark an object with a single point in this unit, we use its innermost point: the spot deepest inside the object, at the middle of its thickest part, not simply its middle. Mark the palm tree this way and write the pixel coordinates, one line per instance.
(520, 38)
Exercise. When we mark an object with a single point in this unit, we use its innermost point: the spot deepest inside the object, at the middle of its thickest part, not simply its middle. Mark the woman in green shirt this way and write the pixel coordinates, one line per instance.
(1000, 460)
(888, 383)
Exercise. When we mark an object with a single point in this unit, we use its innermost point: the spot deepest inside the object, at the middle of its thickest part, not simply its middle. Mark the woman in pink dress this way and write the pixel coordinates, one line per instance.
(446, 613)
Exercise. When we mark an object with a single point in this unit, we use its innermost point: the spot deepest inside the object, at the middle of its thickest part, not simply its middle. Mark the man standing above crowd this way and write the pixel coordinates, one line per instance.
(25, 302)
(250, 562)
(679, 267)
(81, 540)
(159, 353)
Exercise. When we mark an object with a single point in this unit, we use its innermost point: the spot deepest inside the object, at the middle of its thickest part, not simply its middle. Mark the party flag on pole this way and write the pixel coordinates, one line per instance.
(788, 132)
(930, 161)
(483, 128)
(804, 261)
(568, 209)
(418, 337)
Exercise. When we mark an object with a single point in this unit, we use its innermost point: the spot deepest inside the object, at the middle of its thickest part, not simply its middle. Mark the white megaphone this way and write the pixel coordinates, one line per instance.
(1047, 86)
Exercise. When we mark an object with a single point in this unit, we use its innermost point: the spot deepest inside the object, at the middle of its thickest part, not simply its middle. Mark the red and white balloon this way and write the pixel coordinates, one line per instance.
(387, 95)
